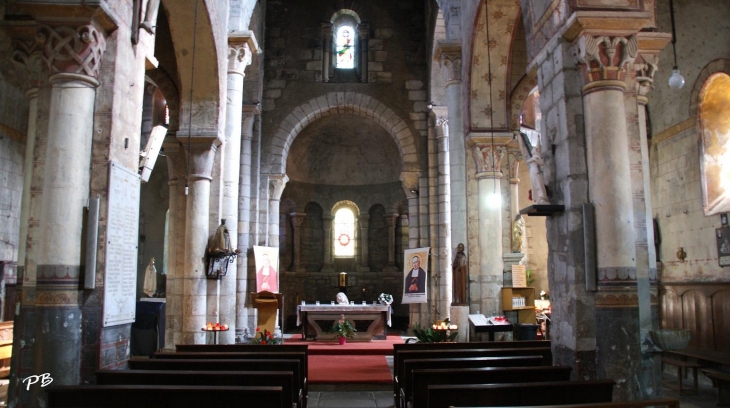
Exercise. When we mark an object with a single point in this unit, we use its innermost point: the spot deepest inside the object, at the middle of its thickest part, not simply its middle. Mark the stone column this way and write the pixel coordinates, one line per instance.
(326, 50)
(603, 62)
(391, 220)
(488, 158)
(444, 208)
(202, 155)
(327, 226)
(433, 214)
(177, 170)
(277, 182)
(32, 95)
(297, 221)
(448, 54)
(607, 154)
(363, 32)
(363, 222)
(644, 68)
(74, 56)
(245, 224)
(239, 56)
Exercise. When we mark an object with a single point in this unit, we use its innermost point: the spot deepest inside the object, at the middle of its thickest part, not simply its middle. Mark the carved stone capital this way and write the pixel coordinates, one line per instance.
(488, 157)
(247, 120)
(448, 55)
(202, 156)
(391, 220)
(604, 59)
(326, 30)
(363, 221)
(363, 30)
(239, 57)
(297, 219)
(72, 50)
(27, 56)
(277, 182)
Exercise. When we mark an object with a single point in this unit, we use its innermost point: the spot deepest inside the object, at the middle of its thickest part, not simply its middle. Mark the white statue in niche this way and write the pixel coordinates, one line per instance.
(342, 299)
(533, 157)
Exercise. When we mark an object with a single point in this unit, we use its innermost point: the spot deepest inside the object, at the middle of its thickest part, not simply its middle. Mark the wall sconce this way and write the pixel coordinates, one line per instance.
(676, 81)
(414, 192)
(430, 105)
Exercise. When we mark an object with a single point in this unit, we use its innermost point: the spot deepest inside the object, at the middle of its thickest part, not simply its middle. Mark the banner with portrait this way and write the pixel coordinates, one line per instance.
(267, 269)
(415, 275)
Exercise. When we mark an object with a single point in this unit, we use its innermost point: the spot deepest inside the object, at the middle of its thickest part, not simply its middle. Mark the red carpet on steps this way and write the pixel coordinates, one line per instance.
(352, 362)
(348, 369)
(331, 347)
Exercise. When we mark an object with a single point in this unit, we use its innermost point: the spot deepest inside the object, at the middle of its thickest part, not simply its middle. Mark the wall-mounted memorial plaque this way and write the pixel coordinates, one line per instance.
(122, 228)
(723, 245)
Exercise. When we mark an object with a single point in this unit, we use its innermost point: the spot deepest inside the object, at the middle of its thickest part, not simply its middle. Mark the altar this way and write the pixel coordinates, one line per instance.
(369, 320)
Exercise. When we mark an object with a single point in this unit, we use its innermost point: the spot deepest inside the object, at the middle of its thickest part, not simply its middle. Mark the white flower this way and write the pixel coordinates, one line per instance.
(385, 298)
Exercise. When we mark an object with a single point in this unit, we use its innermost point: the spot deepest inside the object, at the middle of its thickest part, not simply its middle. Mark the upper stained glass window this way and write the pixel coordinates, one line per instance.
(345, 47)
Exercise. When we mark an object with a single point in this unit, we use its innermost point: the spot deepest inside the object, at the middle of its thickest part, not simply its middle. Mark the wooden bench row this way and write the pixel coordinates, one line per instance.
(251, 375)
(539, 355)
(660, 402)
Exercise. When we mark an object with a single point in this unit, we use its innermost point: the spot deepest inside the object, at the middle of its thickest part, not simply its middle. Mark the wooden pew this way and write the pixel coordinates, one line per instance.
(452, 352)
(721, 380)
(195, 364)
(259, 353)
(404, 384)
(661, 402)
(520, 394)
(423, 378)
(240, 348)
(283, 379)
(156, 396)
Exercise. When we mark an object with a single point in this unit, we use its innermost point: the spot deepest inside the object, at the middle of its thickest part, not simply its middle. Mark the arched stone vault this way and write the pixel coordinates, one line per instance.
(503, 15)
(334, 103)
(209, 61)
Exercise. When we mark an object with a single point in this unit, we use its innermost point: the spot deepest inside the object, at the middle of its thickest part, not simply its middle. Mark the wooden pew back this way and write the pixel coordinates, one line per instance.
(423, 378)
(283, 379)
(404, 384)
(155, 396)
(537, 393)
(293, 365)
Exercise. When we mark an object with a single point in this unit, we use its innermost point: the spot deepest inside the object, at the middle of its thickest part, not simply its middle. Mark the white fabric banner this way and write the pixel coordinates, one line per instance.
(267, 269)
(415, 275)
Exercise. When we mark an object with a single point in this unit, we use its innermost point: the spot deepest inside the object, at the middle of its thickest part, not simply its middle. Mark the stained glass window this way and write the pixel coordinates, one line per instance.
(345, 47)
(344, 234)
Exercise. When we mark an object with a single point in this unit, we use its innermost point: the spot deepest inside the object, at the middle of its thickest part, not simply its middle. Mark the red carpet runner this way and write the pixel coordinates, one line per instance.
(354, 362)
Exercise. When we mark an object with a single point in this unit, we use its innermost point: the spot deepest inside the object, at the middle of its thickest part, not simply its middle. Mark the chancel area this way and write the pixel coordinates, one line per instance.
(212, 176)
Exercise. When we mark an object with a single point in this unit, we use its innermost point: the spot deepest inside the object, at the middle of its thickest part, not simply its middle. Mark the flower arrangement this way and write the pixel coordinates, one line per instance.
(385, 298)
(544, 295)
(439, 332)
(265, 337)
(343, 328)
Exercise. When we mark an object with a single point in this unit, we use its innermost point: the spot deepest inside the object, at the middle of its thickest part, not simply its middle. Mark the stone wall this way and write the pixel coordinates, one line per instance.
(674, 150)
(13, 122)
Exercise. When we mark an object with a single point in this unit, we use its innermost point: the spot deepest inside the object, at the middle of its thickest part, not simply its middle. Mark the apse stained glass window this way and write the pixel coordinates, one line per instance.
(344, 234)
(714, 113)
(345, 47)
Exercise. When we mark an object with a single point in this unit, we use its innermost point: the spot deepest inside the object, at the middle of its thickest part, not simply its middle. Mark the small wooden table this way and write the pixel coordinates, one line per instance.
(378, 316)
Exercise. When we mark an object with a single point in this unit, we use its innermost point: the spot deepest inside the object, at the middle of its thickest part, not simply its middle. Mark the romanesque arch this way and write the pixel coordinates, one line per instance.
(334, 103)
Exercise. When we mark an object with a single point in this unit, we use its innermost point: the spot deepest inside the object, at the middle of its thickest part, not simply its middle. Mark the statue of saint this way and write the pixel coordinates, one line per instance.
(342, 298)
(518, 228)
(459, 277)
(535, 163)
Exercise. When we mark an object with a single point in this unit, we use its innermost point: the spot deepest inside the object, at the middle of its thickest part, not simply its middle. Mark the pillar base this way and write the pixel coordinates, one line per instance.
(460, 317)
(391, 268)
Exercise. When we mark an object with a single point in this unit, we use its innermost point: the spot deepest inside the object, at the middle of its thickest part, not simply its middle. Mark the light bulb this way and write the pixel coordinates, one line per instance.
(676, 81)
